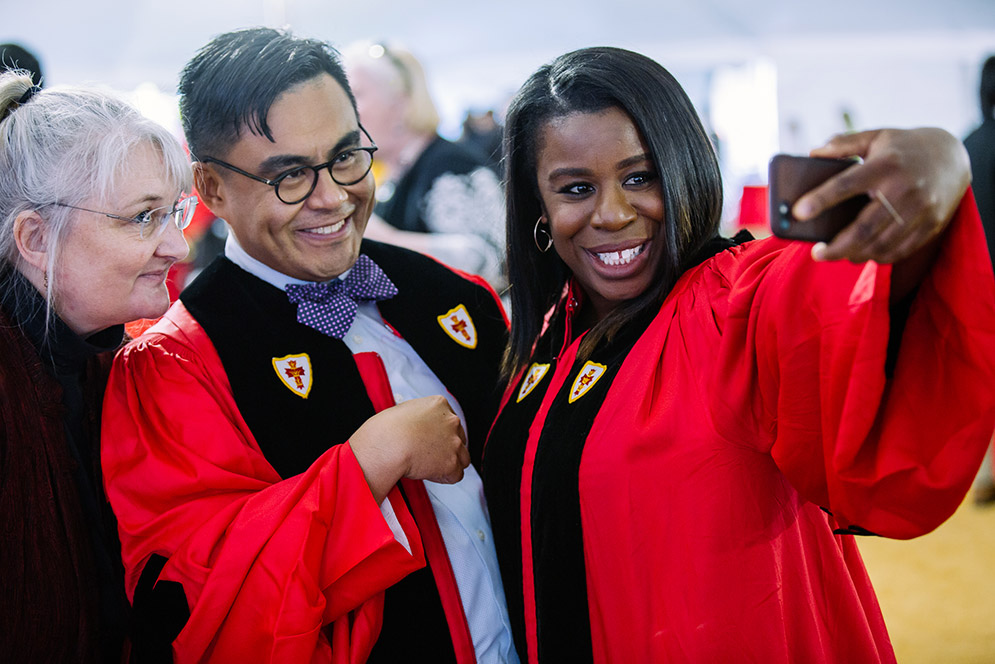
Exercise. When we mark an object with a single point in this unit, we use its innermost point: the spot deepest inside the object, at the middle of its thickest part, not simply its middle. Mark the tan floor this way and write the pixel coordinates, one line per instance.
(937, 592)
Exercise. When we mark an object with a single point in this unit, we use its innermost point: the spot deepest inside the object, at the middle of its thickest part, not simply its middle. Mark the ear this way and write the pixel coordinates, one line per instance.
(210, 186)
(543, 213)
(32, 235)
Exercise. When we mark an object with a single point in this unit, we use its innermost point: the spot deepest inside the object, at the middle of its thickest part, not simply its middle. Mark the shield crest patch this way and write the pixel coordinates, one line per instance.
(589, 374)
(294, 372)
(459, 326)
(533, 377)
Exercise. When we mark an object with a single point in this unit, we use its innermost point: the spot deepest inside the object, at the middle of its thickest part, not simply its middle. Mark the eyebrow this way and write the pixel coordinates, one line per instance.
(635, 159)
(581, 172)
(281, 162)
(152, 199)
(568, 172)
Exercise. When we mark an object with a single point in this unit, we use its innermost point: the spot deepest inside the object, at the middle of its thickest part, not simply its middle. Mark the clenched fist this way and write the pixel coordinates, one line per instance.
(420, 439)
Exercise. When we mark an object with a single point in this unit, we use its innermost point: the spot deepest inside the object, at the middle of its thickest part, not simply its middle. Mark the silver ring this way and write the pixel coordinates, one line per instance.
(889, 207)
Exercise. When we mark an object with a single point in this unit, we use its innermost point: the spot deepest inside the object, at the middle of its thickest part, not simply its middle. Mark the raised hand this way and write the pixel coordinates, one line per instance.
(419, 439)
(915, 179)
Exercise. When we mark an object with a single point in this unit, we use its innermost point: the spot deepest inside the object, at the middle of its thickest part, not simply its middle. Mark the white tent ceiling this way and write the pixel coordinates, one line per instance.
(126, 42)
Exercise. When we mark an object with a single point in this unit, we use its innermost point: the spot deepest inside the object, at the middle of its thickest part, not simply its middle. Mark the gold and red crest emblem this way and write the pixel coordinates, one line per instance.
(589, 374)
(294, 372)
(459, 326)
(533, 377)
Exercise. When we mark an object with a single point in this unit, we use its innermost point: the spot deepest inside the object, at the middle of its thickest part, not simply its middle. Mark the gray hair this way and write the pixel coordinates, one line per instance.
(65, 145)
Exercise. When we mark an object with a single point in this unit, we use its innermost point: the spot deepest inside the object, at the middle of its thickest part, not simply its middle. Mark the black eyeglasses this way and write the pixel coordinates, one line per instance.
(151, 223)
(294, 186)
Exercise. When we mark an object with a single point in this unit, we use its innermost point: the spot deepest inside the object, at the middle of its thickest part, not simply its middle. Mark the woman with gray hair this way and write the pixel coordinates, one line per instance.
(91, 215)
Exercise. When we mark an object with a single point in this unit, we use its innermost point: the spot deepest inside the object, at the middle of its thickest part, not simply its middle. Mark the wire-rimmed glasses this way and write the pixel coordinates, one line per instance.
(151, 223)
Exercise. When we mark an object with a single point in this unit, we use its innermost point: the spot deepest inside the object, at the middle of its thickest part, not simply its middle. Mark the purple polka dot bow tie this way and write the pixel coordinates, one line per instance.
(330, 308)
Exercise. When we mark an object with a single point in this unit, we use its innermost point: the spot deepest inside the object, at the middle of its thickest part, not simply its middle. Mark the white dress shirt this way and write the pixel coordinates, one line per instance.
(459, 508)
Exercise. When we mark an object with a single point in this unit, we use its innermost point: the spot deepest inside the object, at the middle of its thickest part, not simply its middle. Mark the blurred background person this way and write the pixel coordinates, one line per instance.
(482, 132)
(980, 145)
(17, 57)
(433, 195)
(90, 221)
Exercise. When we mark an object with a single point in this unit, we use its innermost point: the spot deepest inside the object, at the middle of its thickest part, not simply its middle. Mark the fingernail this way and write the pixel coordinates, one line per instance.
(819, 251)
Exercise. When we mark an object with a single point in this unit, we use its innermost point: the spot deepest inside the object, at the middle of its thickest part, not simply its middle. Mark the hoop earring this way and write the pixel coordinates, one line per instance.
(535, 235)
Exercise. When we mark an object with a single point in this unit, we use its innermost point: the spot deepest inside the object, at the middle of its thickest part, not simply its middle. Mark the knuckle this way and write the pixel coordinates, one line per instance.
(865, 230)
(890, 159)
(919, 194)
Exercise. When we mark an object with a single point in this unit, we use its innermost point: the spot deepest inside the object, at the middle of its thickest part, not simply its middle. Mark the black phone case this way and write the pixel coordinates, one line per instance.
(788, 178)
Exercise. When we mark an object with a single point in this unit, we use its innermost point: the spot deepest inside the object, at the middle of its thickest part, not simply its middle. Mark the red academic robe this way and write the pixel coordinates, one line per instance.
(272, 541)
(291, 554)
(695, 490)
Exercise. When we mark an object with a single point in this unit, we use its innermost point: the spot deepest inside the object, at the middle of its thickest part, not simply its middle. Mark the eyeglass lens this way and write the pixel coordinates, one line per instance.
(348, 168)
(181, 215)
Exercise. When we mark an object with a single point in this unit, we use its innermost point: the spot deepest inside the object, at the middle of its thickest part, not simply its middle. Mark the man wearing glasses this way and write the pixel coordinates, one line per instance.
(273, 504)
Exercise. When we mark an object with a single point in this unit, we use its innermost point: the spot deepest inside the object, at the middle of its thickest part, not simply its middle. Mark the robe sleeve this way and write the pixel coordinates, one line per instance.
(802, 368)
(265, 563)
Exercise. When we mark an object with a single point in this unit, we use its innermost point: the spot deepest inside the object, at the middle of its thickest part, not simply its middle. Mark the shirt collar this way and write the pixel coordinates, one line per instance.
(240, 257)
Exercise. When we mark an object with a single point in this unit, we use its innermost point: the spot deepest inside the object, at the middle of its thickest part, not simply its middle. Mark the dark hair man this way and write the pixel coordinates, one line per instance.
(270, 495)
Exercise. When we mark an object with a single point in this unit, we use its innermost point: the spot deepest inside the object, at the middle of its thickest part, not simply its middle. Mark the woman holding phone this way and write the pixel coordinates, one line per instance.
(695, 429)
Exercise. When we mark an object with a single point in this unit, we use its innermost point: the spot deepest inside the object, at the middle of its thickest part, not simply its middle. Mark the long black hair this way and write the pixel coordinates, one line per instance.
(230, 84)
(588, 81)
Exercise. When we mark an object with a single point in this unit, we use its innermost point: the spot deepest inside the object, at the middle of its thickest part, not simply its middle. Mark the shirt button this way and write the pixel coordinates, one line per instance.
(481, 535)
(357, 338)
(398, 397)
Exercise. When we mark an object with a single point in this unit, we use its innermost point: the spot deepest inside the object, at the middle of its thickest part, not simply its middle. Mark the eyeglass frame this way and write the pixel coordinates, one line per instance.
(275, 182)
(173, 210)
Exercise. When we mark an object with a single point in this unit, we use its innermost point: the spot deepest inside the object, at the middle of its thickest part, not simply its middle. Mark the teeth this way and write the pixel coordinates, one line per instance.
(328, 230)
(620, 257)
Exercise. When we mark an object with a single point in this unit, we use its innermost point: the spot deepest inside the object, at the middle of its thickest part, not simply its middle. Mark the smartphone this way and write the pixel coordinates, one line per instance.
(788, 178)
